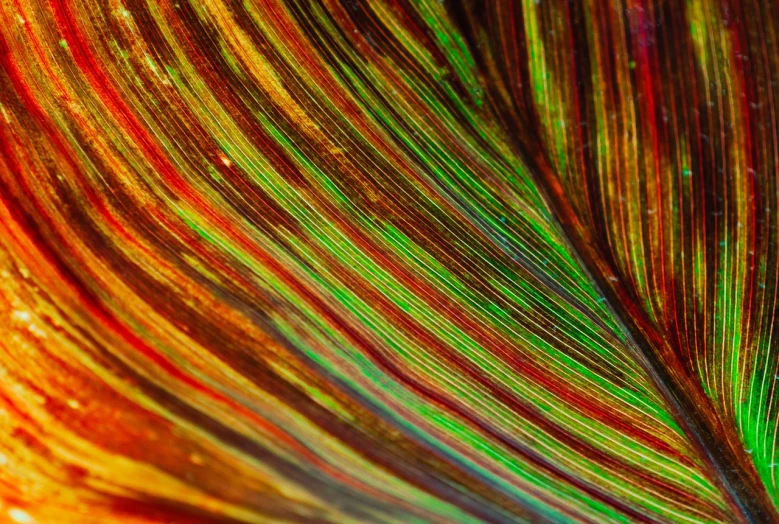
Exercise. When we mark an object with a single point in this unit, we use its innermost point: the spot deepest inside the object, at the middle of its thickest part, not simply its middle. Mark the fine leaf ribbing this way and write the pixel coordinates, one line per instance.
(388, 261)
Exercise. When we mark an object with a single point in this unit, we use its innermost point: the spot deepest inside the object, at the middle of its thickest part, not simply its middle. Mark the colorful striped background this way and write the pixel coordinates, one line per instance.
(389, 261)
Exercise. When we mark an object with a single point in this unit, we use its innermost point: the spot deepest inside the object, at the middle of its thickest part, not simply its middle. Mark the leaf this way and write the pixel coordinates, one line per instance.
(378, 261)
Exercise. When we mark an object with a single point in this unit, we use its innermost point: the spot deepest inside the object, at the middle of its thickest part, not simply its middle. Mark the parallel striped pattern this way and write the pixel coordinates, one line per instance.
(388, 261)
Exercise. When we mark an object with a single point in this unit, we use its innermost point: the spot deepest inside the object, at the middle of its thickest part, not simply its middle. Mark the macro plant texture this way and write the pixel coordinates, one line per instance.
(389, 261)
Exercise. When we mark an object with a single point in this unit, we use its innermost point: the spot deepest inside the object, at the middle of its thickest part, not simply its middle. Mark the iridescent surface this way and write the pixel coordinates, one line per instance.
(388, 261)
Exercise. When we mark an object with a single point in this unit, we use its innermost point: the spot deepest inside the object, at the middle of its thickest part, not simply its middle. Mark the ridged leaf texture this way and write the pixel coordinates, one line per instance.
(389, 261)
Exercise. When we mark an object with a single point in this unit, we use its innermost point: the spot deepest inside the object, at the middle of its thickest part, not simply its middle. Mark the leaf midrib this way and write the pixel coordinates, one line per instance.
(730, 467)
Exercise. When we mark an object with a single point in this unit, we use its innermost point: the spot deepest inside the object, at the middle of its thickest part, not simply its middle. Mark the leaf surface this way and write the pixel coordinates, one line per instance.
(388, 261)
